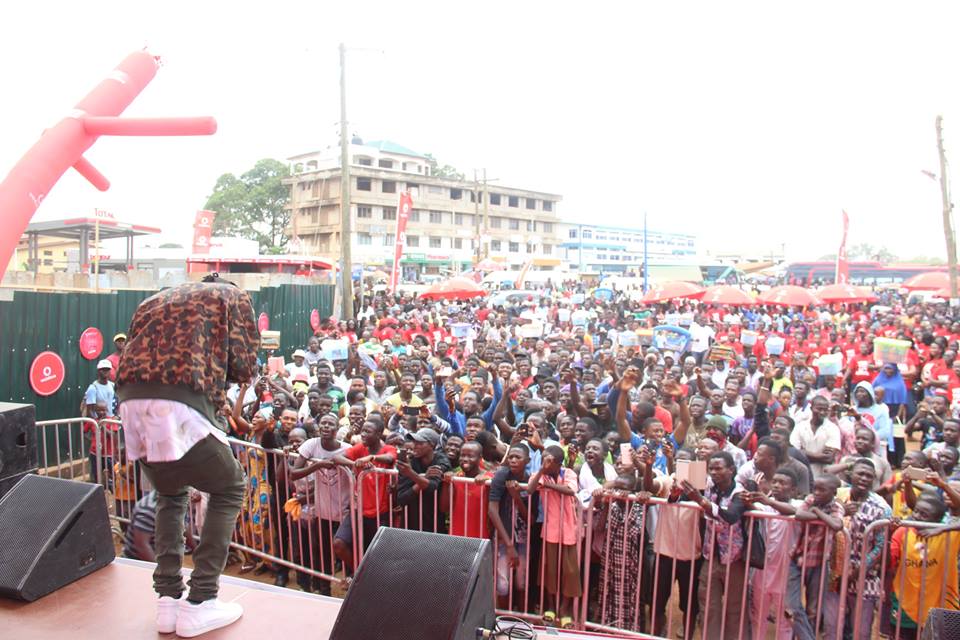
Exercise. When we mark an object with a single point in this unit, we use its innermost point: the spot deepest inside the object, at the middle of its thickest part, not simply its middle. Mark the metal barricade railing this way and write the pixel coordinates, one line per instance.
(62, 449)
(267, 531)
(628, 577)
(948, 551)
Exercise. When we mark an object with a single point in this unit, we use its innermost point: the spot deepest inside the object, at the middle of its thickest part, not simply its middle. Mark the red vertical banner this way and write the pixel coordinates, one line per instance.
(842, 275)
(403, 213)
(202, 230)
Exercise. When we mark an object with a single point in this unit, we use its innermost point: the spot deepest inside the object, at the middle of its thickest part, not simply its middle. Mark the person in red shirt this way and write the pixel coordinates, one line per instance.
(468, 515)
(861, 367)
(118, 341)
(370, 453)
(932, 368)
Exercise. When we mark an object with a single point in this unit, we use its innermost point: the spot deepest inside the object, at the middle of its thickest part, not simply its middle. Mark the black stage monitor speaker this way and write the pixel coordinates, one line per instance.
(413, 585)
(53, 532)
(942, 624)
(18, 443)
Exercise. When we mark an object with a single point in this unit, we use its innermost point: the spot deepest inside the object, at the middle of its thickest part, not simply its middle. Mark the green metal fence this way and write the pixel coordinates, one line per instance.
(41, 321)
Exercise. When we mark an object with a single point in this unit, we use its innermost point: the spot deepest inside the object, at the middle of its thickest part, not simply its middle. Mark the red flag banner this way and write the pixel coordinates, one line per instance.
(518, 283)
(202, 230)
(842, 275)
(403, 213)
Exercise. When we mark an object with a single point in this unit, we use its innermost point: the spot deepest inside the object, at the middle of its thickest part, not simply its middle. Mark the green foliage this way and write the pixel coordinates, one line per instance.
(443, 171)
(253, 206)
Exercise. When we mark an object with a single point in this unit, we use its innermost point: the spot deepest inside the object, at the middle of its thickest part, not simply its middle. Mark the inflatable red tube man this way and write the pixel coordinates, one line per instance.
(63, 145)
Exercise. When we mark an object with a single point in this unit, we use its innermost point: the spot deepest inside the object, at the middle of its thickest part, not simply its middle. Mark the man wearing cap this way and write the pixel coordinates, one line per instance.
(101, 392)
(421, 473)
(297, 367)
(118, 341)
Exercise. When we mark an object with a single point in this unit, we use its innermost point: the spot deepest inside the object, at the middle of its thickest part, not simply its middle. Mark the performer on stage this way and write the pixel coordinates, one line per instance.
(185, 344)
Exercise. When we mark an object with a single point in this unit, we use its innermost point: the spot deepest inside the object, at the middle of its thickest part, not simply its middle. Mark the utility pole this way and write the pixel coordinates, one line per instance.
(476, 214)
(948, 233)
(346, 262)
(486, 200)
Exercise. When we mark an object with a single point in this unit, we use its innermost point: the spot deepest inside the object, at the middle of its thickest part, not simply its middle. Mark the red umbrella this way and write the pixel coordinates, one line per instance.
(788, 296)
(459, 288)
(671, 290)
(845, 293)
(489, 265)
(931, 280)
(725, 294)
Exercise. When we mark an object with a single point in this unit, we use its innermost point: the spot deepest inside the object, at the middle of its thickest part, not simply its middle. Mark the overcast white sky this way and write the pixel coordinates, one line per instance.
(751, 124)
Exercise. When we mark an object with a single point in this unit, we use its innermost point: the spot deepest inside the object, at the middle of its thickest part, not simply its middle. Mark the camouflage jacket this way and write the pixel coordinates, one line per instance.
(187, 343)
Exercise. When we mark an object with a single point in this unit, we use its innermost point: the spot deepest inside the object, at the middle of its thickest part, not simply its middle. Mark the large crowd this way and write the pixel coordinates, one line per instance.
(626, 443)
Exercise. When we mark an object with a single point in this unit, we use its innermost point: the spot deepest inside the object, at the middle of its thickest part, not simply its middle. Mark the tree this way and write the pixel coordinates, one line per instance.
(253, 206)
(444, 171)
(867, 251)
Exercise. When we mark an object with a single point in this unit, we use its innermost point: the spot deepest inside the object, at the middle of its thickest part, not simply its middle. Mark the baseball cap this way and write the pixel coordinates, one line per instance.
(104, 364)
(425, 435)
(301, 377)
(120, 336)
(299, 353)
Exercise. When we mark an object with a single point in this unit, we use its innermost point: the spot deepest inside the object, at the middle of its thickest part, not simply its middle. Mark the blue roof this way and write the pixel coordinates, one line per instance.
(392, 147)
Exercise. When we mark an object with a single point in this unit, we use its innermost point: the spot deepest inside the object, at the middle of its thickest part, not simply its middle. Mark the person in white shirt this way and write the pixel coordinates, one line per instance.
(298, 366)
(818, 437)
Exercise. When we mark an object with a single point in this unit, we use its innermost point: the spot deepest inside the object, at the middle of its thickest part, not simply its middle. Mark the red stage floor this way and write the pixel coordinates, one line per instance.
(118, 603)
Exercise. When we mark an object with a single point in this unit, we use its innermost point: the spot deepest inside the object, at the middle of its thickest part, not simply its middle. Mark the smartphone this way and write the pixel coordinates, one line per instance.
(403, 455)
(915, 473)
(445, 372)
(626, 454)
(411, 411)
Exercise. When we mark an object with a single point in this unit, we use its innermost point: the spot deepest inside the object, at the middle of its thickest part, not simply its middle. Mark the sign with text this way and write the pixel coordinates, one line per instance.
(202, 230)
(47, 373)
(91, 343)
(269, 340)
(335, 349)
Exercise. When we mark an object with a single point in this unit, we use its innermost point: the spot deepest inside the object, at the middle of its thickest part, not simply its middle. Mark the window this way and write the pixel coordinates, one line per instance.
(514, 247)
(495, 245)
(587, 233)
(364, 239)
(573, 234)
(514, 224)
(495, 222)
(531, 225)
(547, 227)
(529, 248)
(435, 190)
(388, 186)
(364, 212)
(366, 162)
(435, 242)
(414, 215)
(383, 163)
(48, 253)
(547, 249)
(458, 243)
(463, 219)
(513, 201)
(363, 184)
(389, 213)
(531, 203)
(456, 194)
(48, 262)
(413, 187)
(547, 205)
(494, 198)
(413, 241)
(436, 217)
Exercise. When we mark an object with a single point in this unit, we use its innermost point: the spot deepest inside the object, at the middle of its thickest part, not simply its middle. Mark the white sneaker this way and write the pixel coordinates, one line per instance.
(167, 614)
(194, 619)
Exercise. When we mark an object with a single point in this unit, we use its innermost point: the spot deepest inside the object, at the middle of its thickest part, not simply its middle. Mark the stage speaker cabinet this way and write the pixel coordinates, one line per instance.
(941, 624)
(18, 443)
(54, 532)
(412, 584)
